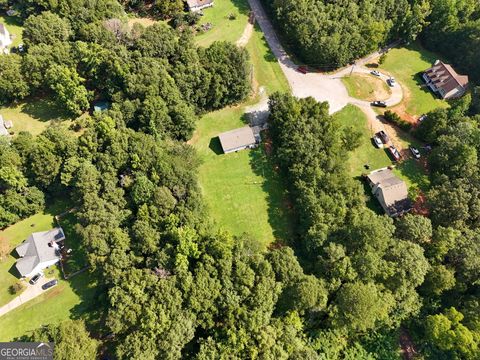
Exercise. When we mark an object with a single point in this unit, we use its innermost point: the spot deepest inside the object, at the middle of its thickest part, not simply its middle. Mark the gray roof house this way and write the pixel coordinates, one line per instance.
(238, 139)
(390, 191)
(39, 251)
(197, 5)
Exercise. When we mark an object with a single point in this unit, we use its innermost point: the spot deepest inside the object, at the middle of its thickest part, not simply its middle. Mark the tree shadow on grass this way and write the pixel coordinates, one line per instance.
(44, 110)
(269, 56)
(371, 202)
(12, 21)
(242, 6)
(215, 145)
(279, 209)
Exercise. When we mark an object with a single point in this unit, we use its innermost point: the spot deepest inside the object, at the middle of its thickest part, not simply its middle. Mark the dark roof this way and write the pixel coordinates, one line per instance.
(445, 77)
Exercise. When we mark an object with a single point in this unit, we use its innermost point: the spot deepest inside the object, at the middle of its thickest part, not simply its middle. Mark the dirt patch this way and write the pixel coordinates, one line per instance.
(407, 346)
(142, 21)
(247, 34)
(401, 109)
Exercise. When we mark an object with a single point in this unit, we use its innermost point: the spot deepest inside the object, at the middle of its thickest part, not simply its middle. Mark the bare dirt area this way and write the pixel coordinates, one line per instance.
(142, 21)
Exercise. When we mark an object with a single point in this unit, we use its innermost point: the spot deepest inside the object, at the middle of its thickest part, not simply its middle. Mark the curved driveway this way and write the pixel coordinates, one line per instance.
(324, 87)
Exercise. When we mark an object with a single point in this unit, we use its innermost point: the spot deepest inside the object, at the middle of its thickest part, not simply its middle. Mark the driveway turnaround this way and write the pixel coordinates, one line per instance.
(31, 292)
(326, 87)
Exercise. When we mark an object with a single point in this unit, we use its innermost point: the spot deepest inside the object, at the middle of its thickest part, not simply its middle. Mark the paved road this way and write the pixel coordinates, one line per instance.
(31, 292)
(325, 87)
(321, 87)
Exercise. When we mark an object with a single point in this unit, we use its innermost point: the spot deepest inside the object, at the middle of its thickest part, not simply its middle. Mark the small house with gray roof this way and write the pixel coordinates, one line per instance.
(39, 251)
(239, 139)
(390, 191)
(197, 5)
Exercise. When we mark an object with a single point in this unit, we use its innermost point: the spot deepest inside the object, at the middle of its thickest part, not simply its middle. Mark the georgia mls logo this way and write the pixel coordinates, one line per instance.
(26, 351)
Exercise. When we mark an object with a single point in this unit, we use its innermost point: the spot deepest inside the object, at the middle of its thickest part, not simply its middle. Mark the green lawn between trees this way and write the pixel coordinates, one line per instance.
(406, 64)
(243, 192)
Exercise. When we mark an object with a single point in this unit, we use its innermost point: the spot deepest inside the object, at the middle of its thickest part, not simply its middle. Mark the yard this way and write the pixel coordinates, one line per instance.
(242, 190)
(33, 115)
(366, 87)
(406, 64)
(69, 299)
(410, 170)
(13, 236)
(14, 27)
(223, 28)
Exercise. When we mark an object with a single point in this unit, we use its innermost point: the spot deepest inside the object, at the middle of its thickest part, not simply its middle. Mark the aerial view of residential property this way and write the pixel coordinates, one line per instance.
(240, 179)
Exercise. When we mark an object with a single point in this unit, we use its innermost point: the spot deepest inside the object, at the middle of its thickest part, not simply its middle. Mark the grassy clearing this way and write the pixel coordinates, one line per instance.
(366, 153)
(366, 87)
(243, 192)
(406, 64)
(34, 115)
(224, 29)
(13, 236)
(267, 72)
(14, 27)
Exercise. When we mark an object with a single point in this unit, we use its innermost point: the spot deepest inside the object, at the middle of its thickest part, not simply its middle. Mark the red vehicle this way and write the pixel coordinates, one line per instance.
(302, 69)
(394, 152)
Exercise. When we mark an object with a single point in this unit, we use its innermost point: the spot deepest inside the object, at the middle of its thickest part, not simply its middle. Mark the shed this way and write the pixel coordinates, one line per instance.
(238, 139)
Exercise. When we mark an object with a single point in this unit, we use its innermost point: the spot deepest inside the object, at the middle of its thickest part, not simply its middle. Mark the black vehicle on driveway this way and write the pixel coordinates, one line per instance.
(379, 103)
(49, 284)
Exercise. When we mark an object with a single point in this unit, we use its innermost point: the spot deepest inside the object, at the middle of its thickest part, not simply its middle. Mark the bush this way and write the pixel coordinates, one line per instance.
(16, 288)
(394, 118)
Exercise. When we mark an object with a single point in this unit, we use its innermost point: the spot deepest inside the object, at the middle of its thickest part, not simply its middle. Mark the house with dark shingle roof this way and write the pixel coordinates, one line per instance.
(445, 81)
(39, 251)
(390, 191)
(197, 5)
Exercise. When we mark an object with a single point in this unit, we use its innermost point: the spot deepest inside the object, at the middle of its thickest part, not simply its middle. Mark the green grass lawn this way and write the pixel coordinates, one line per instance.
(14, 27)
(406, 64)
(14, 235)
(366, 153)
(33, 115)
(223, 28)
(243, 192)
(68, 300)
(366, 87)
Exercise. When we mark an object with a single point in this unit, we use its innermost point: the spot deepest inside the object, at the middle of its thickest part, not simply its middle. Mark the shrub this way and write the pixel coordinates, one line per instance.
(16, 288)
(394, 118)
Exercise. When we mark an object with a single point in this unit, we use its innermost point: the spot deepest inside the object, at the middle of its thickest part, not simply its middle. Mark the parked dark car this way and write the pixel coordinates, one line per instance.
(394, 152)
(302, 69)
(49, 284)
(379, 104)
(35, 278)
(383, 135)
(415, 152)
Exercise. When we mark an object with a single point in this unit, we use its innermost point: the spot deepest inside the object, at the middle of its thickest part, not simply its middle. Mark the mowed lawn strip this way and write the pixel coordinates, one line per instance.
(13, 236)
(366, 87)
(223, 28)
(242, 190)
(406, 64)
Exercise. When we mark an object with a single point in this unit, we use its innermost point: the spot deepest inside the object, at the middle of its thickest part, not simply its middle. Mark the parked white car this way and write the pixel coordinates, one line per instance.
(378, 142)
(391, 82)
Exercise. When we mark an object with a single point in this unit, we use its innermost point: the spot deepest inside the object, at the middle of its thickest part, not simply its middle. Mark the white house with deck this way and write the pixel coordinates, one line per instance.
(442, 79)
(39, 251)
